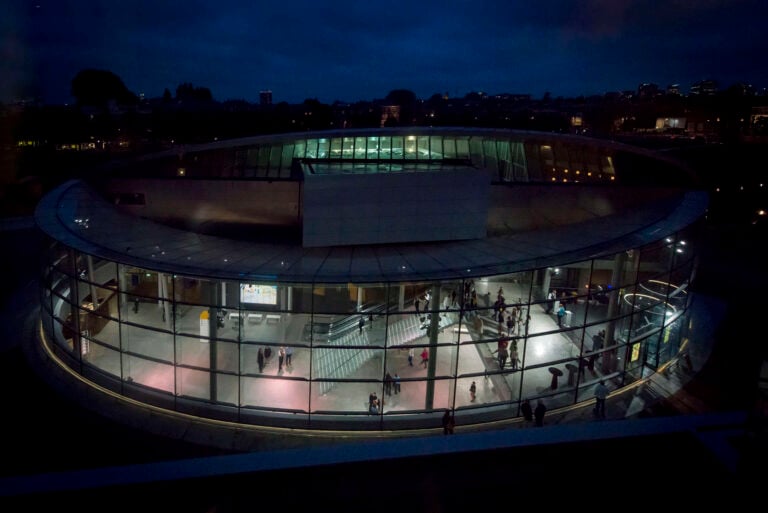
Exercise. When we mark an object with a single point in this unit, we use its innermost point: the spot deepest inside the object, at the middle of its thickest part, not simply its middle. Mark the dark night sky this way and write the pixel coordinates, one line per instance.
(359, 50)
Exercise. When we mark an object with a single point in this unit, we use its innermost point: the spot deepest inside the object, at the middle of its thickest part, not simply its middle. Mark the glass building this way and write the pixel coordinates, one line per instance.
(284, 280)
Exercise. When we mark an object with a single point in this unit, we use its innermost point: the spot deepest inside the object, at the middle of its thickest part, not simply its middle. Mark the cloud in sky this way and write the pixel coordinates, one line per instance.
(351, 50)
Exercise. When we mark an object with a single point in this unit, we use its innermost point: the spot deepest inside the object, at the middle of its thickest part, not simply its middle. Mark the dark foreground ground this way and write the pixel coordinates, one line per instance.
(54, 439)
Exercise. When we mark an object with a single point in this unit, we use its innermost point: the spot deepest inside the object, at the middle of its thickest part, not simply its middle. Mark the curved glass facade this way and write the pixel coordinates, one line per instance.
(276, 332)
(310, 355)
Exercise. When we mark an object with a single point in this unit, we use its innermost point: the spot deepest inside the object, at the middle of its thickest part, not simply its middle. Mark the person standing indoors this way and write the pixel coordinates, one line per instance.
(601, 392)
(260, 359)
(424, 357)
(288, 356)
(472, 392)
(280, 358)
(410, 357)
(510, 324)
(396, 383)
(551, 297)
(560, 315)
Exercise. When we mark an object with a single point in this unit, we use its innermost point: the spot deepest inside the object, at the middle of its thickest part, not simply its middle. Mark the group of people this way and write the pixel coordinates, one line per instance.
(531, 414)
(284, 357)
(507, 349)
(391, 384)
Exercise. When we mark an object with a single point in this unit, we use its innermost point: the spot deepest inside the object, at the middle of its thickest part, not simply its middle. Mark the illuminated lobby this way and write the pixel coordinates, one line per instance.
(279, 281)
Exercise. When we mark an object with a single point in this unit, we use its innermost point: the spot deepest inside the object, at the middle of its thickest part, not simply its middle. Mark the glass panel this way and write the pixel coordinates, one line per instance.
(194, 352)
(540, 380)
(301, 148)
(193, 383)
(312, 148)
(286, 160)
(422, 148)
(336, 148)
(398, 149)
(347, 149)
(159, 376)
(344, 396)
(410, 147)
(435, 147)
(449, 148)
(104, 358)
(490, 157)
(355, 362)
(656, 259)
(275, 155)
(360, 148)
(385, 147)
(227, 389)
(324, 148)
(273, 392)
(63, 259)
(147, 342)
(372, 151)
(65, 324)
(106, 331)
(678, 286)
(263, 160)
(192, 320)
(227, 358)
(476, 151)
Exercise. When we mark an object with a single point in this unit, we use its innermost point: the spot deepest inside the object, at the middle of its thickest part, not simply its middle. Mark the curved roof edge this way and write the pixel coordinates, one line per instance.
(77, 216)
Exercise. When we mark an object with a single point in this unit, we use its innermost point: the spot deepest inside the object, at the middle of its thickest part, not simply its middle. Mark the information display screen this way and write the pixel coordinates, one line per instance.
(258, 294)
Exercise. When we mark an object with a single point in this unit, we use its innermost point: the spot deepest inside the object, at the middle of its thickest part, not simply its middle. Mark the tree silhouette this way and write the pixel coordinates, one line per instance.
(95, 87)
(187, 92)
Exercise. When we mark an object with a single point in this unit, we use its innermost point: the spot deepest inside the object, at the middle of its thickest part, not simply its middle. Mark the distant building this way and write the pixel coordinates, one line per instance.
(704, 88)
(647, 90)
(265, 97)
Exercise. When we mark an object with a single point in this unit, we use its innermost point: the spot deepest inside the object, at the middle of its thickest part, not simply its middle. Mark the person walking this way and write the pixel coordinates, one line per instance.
(360, 324)
(551, 301)
(510, 324)
(260, 359)
(388, 384)
(374, 407)
(539, 412)
(601, 392)
(503, 355)
(424, 357)
(410, 357)
(396, 383)
(526, 410)
(560, 315)
(416, 305)
(280, 358)
(288, 356)
(472, 392)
